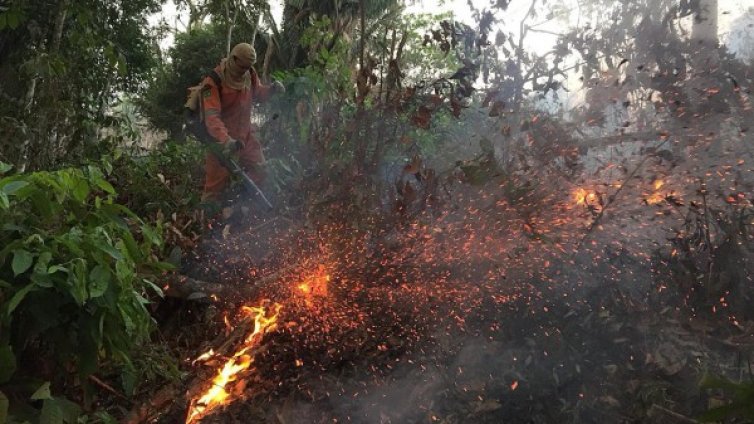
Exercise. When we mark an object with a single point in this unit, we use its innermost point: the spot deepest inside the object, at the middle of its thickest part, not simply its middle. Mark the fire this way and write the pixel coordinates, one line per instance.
(218, 394)
(314, 285)
(657, 196)
(229, 382)
(204, 356)
(583, 196)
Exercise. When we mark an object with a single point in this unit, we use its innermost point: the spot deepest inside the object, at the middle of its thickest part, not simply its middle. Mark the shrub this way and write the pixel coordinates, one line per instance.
(74, 275)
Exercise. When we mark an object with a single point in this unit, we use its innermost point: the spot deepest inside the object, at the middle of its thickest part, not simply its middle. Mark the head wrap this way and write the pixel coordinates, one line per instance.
(236, 66)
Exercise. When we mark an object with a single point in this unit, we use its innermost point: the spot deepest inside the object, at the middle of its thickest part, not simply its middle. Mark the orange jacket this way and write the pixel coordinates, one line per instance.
(232, 116)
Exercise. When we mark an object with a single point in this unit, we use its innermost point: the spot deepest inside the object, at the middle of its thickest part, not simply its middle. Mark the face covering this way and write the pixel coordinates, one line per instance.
(237, 65)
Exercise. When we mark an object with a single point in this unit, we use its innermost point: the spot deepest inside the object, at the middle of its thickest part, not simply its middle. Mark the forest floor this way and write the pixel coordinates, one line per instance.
(471, 312)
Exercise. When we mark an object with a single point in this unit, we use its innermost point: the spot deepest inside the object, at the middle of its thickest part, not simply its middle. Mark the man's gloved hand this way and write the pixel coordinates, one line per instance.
(231, 147)
(278, 87)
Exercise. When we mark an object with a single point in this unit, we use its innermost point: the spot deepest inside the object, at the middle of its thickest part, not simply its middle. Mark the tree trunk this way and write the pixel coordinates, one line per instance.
(231, 21)
(704, 85)
(705, 24)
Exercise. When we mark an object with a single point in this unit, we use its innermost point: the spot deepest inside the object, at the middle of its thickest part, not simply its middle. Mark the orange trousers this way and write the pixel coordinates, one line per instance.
(216, 176)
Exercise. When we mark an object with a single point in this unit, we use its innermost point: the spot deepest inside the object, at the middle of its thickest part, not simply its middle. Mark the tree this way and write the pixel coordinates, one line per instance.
(343, 15)
(74, 58)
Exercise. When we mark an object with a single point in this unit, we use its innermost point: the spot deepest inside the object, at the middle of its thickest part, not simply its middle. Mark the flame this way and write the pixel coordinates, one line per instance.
(218, 394)
(583, 196)
(204, 356)
(657, 196)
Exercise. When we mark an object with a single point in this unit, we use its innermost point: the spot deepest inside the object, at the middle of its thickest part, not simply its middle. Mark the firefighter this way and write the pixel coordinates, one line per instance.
(227, 114)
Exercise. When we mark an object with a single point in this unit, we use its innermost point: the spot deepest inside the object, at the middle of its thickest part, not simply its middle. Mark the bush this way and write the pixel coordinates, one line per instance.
(74, 276)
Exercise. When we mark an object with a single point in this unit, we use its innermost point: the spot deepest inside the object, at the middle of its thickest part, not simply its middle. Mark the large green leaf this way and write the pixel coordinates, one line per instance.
(4, 201)
(81, 190)
(99, 280)
(18, 297)
(7, 363)
(70, 410)
(154, 287)
(10, 188)
(125, 272)
(51, 413)
(96, 176)
(151, 235)
(78, 281)
(43, 392)
(22, 260)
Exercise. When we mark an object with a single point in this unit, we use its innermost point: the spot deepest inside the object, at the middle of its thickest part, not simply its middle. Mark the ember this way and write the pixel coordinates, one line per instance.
(584, 197)
(657, 196)
(314, 285)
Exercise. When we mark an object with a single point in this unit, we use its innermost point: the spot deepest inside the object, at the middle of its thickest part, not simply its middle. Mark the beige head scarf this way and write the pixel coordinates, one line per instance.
(236, 66)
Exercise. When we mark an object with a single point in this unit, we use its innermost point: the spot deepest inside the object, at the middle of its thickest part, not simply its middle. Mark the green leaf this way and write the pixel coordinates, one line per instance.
(110, 250)
(22, 260)
(4, 201)
(18, 297)
(43, 262)
(71, 411)
(124, 271)
(3, 408)
(57, 268)
(7, 363)
(12, 187)
(151, 235)
(80, 189)
(43, 392)
(98, 179)
(155, 287)
(99, 280)
(51, 413)
(78, 281)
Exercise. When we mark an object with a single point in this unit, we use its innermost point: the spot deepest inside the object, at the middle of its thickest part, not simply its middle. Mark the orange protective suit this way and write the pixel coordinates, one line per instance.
(231, 118)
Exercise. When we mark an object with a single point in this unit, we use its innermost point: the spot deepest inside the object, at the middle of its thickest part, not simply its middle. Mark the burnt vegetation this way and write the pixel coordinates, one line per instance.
(523, 212)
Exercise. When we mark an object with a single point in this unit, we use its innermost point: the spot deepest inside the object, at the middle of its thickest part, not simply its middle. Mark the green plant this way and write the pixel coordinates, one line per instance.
(741, 403)
(166, 179)
(75, 270)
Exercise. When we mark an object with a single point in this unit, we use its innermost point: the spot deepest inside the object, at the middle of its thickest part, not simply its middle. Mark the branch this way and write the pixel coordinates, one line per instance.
(544, 31)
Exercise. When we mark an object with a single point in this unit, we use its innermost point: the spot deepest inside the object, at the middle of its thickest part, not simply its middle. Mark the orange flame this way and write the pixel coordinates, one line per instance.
(657, 196)
(583, 196)
(218, 394)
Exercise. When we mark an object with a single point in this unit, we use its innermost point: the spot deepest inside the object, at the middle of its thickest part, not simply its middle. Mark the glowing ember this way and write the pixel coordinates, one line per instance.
(657, 196)
(218, 394)
(582, 196)
(204, 356)
(314, 285)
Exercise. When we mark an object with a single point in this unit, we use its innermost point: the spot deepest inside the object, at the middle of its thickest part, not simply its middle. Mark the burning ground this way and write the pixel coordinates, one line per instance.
(501, 301)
